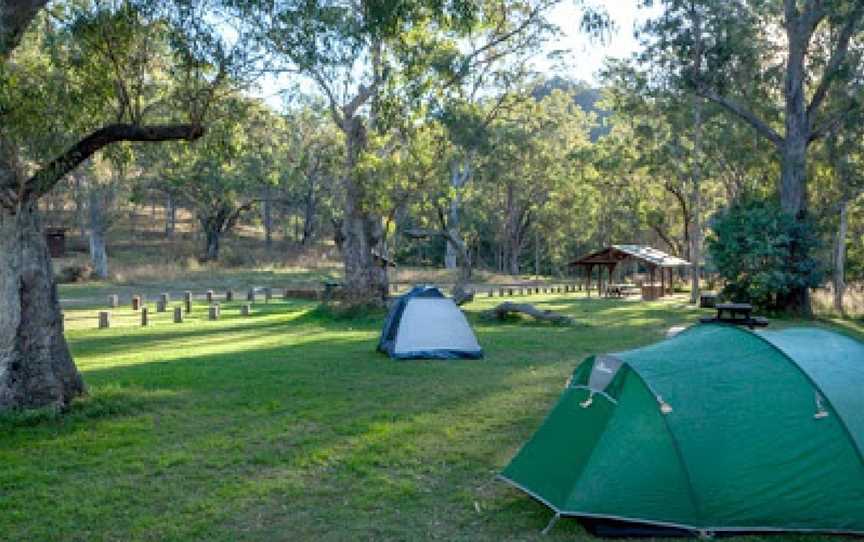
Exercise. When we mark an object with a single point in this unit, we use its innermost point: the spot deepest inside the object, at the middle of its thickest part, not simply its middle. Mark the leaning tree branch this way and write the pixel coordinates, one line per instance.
(743, 113)
(45, 179)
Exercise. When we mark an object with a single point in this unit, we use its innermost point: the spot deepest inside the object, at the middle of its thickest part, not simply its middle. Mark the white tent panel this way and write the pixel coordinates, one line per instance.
(430, 324)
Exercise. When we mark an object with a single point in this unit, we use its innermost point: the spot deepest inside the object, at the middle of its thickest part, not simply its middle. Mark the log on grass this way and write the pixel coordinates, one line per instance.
(462, 296)
(501, 311)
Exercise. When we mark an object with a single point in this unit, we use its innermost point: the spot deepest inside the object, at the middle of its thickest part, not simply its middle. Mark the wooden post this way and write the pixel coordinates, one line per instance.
(114, 301)
(250, 295)
(136, 302)
(652, 288)
(213, 312)
(178, 315)
(161, 306)
(145, 320)
(588, 280)
(246, 309)
(187, 301)
(491, 292)
(662, 282)
(104, 320)
(268, 294)
(210, 296)
(229, 295)
(510, 292)
(165, 297)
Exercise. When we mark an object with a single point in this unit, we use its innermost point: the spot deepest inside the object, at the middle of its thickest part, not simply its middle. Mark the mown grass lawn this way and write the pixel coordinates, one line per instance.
(289, 426)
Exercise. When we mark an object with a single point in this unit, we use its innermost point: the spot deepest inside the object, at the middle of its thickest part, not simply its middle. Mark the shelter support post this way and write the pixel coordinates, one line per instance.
(662, 282)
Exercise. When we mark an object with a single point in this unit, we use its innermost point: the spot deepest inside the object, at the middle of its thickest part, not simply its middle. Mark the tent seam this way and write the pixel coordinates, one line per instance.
(816, 386)
(691, 490)
(795, 364)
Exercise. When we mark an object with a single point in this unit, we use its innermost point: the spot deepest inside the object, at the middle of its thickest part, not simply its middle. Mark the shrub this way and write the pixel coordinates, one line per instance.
(75, 273)
(763, 254)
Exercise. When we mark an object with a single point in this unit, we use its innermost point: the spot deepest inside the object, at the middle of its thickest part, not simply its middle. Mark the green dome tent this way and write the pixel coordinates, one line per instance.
(718, 429)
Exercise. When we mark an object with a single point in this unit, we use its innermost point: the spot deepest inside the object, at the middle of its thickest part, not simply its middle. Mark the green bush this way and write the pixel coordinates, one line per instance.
(763, 254)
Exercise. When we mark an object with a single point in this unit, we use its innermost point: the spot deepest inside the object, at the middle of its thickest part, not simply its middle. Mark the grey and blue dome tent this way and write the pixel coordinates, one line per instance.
(716, 430)
(425, 324)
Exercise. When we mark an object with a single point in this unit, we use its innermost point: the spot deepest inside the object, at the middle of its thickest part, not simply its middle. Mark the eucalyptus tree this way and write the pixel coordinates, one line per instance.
(312, 166)
(57, 108)
(375, 62)
(781, 96)
(364, 57)
(496, 58)
(105, 180)
(223, 174)
(535, 149)
(845, 155)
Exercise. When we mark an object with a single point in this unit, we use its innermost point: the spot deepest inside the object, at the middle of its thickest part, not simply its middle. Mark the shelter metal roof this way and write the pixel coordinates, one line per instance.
(617, 253)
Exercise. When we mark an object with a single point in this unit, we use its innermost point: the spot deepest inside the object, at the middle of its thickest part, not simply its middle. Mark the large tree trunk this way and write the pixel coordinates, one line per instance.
(839, 277)
(365, 279)
(36, 368)
(459, 177)
(793, 152)
(98, 229)
(515, 252)
(451, 253)
(213, 245)
(212, 236)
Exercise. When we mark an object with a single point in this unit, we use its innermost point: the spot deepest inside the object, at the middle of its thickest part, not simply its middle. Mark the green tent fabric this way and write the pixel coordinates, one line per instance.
(718, 429)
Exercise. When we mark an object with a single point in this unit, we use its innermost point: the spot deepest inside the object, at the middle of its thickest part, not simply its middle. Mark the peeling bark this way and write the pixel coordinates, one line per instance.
(365, 280)
(36, 368)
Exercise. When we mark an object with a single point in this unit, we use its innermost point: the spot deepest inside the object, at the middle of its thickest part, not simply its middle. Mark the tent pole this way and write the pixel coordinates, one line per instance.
(552, 523)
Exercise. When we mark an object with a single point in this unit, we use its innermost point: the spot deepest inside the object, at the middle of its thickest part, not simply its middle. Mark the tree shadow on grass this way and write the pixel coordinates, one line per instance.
(237, 433)
(124, 339)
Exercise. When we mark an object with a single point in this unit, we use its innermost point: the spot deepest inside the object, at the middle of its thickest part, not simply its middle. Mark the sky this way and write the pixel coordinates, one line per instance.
(588, 54)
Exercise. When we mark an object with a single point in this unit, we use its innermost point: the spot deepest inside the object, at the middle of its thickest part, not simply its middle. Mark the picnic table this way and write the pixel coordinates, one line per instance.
(708, 300)
(737, 314)
(619, 290)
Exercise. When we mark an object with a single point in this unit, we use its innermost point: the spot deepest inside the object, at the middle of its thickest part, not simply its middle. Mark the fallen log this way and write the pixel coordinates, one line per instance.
(462, 296)
(501, 311)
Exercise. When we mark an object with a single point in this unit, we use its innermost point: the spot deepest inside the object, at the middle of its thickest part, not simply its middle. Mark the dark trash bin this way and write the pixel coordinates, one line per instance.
(56, 238)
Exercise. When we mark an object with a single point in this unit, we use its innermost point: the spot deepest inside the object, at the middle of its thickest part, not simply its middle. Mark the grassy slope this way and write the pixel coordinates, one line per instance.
(288, 426)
